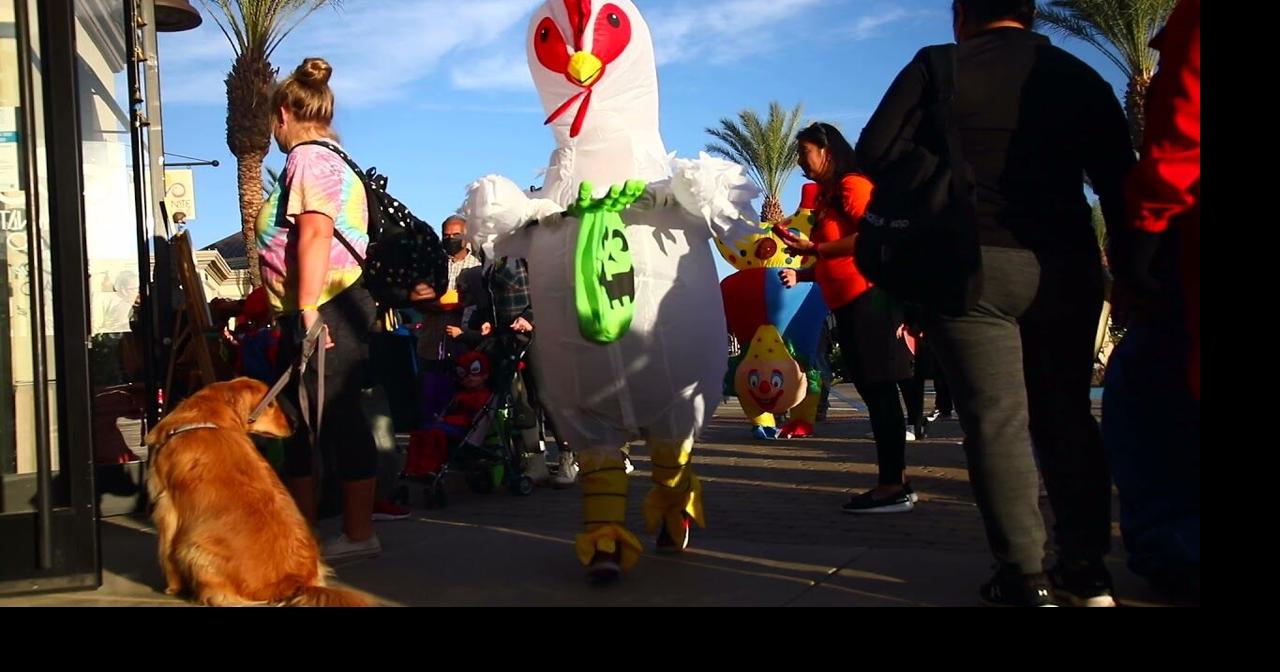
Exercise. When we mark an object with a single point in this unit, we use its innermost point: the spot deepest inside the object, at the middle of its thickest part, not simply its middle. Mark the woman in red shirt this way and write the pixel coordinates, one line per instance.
(867, 324)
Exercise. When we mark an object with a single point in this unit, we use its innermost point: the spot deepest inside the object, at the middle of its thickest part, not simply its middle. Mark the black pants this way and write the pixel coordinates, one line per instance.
(1019, 365)
(346, 441)
(941, 391)
(913, 398)
(876, 359)
(927, 367)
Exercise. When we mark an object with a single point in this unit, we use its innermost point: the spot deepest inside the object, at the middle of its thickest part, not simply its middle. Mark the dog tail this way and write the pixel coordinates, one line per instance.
(321, 596)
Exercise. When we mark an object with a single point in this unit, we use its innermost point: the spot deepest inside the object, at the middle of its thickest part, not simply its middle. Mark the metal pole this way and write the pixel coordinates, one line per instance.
(35, 267)
(162, 276)
(137, 122)
(182, 164)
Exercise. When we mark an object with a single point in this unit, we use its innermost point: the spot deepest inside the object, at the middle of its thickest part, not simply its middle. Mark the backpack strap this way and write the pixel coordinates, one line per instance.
(941, 66)
(966, 253)
(364, 180)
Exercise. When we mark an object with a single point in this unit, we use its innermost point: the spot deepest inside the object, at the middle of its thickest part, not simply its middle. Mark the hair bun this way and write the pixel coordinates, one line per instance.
(313, 73)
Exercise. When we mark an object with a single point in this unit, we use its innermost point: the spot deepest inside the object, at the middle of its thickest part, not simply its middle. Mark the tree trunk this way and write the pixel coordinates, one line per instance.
(249, 139)
(249, 175)
(772, 210)
(1135, 103)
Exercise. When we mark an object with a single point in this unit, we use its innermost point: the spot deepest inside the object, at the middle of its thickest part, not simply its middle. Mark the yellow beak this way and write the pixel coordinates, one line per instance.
(584, 68)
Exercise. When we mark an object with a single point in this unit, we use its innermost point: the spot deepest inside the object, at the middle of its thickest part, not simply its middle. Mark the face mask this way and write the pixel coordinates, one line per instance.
(452, 246)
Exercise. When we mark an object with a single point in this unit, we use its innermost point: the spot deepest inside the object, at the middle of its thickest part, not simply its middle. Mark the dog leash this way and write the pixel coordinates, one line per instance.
(311, 345)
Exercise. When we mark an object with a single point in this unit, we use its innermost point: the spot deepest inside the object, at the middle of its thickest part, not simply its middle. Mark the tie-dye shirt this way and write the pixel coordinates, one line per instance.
(315, 180)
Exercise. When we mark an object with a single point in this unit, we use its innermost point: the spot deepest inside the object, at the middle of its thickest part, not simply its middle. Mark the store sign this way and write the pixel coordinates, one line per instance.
(180, 194)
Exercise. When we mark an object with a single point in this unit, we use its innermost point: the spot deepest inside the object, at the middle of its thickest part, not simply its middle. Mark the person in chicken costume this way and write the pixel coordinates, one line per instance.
(631, 338)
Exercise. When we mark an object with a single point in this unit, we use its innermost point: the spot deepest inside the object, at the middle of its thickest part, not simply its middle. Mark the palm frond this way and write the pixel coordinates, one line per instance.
(765, 148)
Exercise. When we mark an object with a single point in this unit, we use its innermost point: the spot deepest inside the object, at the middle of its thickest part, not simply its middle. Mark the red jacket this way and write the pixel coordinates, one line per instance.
(1164, 188)
(836, 217)
(466, 405)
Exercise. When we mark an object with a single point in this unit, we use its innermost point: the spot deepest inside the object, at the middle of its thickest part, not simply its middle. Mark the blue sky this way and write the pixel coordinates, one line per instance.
(436, 93)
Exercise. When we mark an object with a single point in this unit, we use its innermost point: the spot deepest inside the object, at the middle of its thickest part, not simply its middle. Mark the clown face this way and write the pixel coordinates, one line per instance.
(769, 376)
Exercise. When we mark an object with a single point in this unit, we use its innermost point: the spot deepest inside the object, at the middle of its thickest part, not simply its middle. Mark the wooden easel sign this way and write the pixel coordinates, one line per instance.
(190, 351)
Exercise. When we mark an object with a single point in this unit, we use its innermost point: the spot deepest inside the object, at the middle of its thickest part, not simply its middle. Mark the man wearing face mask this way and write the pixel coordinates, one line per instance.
(438, 343)
(442, 311)
(454, 230)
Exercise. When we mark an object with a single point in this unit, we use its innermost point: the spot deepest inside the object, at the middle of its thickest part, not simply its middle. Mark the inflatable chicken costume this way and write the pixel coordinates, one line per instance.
(630, 340)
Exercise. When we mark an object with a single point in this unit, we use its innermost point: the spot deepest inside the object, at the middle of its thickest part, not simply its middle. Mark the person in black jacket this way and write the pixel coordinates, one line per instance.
(1033, 121)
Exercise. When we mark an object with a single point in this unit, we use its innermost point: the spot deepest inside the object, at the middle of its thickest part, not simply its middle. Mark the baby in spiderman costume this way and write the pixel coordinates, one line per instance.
(429, 448)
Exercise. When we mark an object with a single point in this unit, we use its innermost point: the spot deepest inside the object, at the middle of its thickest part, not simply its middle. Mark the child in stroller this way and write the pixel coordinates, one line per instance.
(478, 433)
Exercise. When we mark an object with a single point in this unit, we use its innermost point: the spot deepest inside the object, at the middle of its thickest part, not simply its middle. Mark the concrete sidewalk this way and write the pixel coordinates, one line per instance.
(776, 537)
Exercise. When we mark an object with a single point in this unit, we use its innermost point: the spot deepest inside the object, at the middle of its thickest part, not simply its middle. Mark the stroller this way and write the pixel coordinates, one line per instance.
(491, 450)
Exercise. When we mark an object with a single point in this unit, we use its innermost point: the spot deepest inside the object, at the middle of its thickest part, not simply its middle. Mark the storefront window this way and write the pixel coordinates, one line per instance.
(24, 216)
(111, 234)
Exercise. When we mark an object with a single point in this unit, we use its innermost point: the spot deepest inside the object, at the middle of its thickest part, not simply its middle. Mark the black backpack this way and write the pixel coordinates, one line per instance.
(918, 240)
(403, 250)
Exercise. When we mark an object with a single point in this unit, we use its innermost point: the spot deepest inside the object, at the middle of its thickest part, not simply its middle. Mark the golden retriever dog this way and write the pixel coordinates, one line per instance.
(230, 534)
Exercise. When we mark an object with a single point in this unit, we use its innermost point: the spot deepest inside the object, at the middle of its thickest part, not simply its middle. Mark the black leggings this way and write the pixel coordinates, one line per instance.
(875, 360)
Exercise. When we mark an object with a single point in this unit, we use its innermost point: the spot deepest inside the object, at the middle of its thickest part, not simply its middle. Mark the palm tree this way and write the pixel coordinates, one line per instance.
(767, 150)
(1121, 30)
(254, 28)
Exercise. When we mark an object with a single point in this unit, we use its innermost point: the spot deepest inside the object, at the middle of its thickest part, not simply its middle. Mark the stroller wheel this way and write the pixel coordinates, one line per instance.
(522, 486)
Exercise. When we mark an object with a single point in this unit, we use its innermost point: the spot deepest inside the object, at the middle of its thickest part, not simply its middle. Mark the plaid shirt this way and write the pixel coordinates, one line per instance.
(509, 284)
(457, 267)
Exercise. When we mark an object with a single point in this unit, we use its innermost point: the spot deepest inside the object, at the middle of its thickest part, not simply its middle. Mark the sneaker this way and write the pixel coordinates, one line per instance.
(911, 493)
(937, 415)
(1082, 583)
(605, 567)
(764, 433)
(343, 548)
(1009, 588)
(666, 544)
(386, 510)
(865, 503)
(911, 435)
(567, 474)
